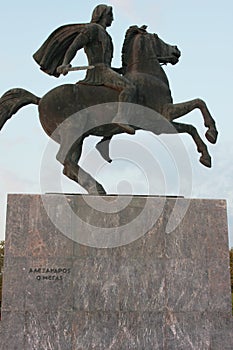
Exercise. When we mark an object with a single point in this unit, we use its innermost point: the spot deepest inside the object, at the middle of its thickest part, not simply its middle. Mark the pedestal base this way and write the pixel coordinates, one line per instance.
(161, 291)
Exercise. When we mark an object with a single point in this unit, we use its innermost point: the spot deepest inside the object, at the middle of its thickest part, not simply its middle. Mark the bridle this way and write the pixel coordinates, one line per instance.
(166, 58)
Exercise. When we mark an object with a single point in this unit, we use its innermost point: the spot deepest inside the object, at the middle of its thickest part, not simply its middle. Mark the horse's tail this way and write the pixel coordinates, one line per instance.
(12, 101)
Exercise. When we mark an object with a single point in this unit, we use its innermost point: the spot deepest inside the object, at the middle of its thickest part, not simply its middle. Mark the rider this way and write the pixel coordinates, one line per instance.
(98, 47)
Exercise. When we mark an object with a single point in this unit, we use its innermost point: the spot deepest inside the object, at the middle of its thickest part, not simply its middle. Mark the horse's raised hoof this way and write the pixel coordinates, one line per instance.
(211, 135)
(103, 148)
(206, 161)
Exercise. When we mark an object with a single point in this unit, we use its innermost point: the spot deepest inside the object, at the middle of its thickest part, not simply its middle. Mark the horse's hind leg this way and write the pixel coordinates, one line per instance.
(205, 158)
(69, 157)
(174, 111)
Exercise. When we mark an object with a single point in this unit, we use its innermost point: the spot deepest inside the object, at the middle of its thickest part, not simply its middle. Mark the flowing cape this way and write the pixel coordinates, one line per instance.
(52, 52)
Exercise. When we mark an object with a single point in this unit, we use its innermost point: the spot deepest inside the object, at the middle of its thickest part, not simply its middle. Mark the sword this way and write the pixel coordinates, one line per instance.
(67, 69)
(71, 69)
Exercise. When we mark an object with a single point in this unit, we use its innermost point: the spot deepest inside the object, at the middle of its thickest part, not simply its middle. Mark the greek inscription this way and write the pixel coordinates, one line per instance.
(49, 274)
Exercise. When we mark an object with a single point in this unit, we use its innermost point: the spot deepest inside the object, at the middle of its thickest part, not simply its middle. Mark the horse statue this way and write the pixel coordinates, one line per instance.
(142, 55)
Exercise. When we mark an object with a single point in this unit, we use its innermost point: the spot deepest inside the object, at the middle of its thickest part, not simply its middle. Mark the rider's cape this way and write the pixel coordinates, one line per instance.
(52, 52)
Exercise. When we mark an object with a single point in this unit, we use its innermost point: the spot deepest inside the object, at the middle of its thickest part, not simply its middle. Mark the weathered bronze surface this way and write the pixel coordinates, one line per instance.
(140, 81)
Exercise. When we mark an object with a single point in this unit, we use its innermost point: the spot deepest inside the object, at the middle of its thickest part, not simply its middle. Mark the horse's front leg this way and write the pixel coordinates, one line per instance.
(69, 157)
(205, 158)
(174, 111)
(103, 148)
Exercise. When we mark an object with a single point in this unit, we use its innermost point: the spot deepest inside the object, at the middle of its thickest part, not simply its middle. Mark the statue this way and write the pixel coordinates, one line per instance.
(141, 80)
(98, 47)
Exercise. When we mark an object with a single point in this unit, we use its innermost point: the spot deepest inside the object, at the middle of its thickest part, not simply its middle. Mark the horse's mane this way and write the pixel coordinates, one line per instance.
(129, 35)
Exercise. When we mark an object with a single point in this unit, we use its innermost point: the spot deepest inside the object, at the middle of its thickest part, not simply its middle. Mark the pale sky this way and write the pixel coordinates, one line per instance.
(203, 32)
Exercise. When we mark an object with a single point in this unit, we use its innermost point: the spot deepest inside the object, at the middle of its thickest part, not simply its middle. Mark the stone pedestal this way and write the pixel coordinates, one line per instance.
(161, 291)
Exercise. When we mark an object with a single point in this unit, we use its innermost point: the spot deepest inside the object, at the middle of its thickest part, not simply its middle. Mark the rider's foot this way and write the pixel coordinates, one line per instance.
(125, 128)
(119, 121)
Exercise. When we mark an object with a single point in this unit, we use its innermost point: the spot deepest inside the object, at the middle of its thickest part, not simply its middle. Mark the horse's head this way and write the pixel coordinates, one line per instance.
(165, 53)
(141, 46)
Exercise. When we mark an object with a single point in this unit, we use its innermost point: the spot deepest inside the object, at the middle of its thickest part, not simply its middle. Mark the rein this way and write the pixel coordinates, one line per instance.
(167, 58)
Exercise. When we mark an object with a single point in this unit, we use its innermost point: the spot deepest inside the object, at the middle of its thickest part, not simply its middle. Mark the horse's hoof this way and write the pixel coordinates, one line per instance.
(97, 190)
(103, 148)
(101, 190)
(206, 160)
(211, 135)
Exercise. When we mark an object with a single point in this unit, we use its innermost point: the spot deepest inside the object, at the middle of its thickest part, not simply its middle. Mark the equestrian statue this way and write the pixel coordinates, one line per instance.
(140, 81)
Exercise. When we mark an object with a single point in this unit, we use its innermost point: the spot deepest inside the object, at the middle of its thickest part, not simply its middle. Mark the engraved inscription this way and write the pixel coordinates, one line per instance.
(49, 274)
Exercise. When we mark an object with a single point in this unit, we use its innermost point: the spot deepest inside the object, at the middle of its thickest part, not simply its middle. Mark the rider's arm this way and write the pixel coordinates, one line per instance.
(79, 42)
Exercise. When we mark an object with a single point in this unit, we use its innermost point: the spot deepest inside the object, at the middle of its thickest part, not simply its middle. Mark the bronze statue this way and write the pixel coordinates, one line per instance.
(142, 55)
(97, 44)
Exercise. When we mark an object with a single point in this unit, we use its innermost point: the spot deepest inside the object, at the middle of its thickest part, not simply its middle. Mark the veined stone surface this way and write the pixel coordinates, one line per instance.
(161, 291)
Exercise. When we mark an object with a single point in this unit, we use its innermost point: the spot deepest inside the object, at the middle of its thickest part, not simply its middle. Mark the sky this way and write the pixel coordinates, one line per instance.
(202, 30)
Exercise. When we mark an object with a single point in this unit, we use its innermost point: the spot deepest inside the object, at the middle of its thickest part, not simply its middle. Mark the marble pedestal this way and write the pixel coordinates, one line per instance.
(162, 291)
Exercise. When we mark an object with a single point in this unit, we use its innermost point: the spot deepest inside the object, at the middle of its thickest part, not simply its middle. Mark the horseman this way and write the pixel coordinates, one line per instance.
(60, 48)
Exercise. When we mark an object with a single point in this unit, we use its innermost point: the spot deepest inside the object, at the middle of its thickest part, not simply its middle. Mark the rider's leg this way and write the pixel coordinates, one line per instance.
(127, 95)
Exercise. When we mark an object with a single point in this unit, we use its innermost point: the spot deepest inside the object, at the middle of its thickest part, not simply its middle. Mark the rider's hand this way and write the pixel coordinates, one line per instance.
(63, 69)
